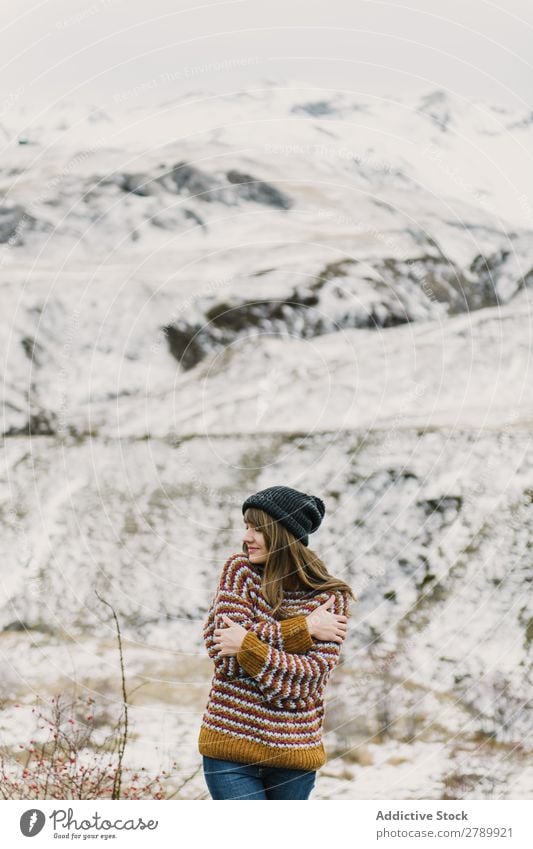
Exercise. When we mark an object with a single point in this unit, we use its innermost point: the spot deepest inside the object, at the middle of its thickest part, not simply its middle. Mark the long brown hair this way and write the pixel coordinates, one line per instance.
(290, 564)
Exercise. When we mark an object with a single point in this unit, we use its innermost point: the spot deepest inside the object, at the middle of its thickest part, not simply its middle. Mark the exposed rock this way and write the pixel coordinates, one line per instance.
(192, 216)
(225, 321)
(399, 291)
(441, 280)
(484, 265)
(436, 106)
(191, 180)
(186, 344)
(13, 221)
(249, 188)
(38, 423)
(316, 108)
(31, 348)
(139, 184)
(333, 270)
(171, 219)
(41, 423)
(18, 625)
(527, 279)
(445, 502)
(184, 178)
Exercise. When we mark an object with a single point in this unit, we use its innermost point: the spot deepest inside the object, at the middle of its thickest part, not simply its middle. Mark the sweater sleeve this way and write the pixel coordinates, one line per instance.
(286, 677)
(232, 598)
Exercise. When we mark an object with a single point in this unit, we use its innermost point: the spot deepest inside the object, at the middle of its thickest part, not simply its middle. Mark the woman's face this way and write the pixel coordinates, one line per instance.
(255, 544)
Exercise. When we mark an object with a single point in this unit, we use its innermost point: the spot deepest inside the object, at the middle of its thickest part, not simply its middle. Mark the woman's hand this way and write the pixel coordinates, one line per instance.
(325, 625)
(229, 640)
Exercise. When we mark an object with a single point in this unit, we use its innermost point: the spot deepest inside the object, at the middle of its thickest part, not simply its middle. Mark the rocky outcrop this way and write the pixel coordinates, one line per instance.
(345, 294)
(186, 179)
(14, 221)
(257, 191)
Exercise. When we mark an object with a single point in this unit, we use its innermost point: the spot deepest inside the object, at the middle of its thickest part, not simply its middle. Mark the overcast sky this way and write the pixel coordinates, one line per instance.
(102, 51)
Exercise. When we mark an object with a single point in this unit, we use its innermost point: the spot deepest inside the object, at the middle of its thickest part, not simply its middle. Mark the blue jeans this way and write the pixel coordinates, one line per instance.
(231, 780)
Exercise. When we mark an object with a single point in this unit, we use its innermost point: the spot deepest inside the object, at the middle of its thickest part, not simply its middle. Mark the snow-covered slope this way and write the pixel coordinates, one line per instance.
(281, 285)
(131, 235)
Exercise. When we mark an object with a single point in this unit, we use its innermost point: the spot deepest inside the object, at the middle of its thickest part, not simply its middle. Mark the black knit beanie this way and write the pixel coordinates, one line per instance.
(300, 513)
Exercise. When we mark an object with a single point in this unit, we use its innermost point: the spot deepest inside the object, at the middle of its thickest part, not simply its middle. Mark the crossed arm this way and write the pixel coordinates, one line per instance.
(289, 668)
(284, 677)
(232, 600)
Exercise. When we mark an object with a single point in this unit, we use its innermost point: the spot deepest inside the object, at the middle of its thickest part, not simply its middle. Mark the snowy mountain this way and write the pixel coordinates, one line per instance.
(282, 285)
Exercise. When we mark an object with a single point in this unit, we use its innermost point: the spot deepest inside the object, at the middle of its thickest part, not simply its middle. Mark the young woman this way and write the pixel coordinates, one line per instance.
(274, 631)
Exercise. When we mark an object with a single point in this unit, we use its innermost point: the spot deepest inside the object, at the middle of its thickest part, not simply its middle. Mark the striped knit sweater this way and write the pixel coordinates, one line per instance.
(266, 704)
